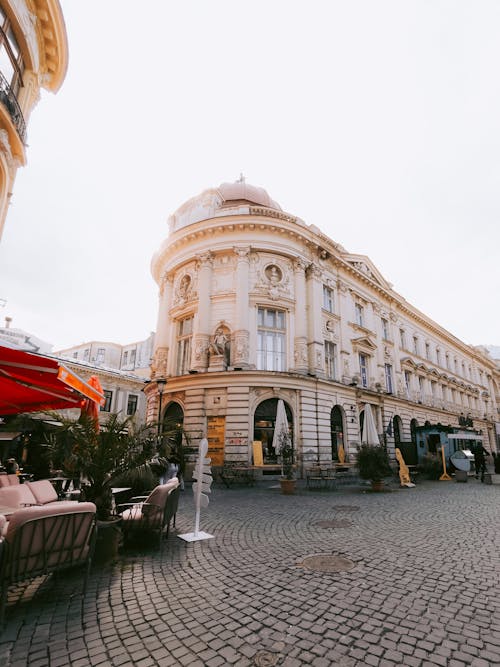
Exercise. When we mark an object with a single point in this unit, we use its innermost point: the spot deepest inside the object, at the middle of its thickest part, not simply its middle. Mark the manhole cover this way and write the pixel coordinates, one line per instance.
(334, 523)
(265, 659)
(327, 563)
(346, 508)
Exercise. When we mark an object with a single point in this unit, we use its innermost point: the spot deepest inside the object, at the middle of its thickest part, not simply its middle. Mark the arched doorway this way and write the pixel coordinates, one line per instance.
(413, 430)
(172, 423)
(336, 431)
(398, 429)
(263, 427)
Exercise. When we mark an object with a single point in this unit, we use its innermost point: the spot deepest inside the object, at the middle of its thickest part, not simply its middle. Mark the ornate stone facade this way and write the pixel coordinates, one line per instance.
(272, 308)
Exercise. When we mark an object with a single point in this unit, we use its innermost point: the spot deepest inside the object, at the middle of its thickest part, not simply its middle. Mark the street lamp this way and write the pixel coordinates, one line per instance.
(160, 384)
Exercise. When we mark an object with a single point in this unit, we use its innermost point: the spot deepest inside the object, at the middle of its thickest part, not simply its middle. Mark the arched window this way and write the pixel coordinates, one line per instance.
(263, 427)
(336, 431)
(172, 422)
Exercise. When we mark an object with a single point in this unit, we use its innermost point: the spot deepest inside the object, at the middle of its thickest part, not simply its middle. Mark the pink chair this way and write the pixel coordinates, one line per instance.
(151, 514)
(45, 539)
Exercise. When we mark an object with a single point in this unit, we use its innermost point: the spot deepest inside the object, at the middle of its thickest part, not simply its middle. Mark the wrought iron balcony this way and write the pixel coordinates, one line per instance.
(9, 100)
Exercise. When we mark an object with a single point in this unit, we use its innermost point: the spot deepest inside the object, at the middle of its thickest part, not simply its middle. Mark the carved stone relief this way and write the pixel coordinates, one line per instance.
(159, 362)
(273, 278)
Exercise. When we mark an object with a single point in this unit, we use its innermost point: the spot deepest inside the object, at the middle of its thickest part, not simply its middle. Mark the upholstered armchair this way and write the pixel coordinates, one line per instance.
(151, 515)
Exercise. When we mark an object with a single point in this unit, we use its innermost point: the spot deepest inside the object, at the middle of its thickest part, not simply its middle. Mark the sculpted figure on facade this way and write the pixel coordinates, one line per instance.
(220, 342)
(274, 281)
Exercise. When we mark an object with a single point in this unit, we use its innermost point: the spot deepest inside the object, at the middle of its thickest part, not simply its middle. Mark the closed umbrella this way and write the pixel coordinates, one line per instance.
(280, 427)
(369, 435)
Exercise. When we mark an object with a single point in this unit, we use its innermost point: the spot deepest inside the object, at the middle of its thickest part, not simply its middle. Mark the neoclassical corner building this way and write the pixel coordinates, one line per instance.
(33, 55)
(256, 305)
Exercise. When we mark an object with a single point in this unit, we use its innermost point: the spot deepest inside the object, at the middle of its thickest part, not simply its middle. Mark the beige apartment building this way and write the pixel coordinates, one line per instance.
(255, 305)
(33, 55)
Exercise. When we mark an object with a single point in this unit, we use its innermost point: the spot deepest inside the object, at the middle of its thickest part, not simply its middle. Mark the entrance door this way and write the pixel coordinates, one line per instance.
(263, 428)
(216, 427)
(336, 431)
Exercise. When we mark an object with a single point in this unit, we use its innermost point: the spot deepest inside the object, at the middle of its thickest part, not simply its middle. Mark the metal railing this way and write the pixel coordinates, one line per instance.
(9, 100)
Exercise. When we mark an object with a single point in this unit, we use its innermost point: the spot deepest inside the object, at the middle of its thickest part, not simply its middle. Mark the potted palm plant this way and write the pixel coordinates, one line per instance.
(373, 465)
(115, 455)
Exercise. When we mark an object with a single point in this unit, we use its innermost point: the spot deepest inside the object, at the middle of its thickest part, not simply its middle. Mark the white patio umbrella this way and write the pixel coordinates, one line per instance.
(369, 436)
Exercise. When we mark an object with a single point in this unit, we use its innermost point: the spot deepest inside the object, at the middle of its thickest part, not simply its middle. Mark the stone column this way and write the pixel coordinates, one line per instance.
(201, 323)
(314, 320)
(240, 348)
(300, 343)
(160, 354)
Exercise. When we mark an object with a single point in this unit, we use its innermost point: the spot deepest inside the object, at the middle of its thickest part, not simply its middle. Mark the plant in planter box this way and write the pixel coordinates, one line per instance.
(373, 464)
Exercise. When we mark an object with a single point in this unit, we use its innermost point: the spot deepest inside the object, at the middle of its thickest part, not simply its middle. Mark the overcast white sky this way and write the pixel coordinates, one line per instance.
(379, 122)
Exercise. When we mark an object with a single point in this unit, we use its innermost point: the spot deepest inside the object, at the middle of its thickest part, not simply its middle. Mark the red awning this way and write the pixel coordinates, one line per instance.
(31, 382)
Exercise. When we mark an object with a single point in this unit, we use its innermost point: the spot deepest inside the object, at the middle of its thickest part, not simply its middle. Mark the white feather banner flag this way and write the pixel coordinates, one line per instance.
(201, 487)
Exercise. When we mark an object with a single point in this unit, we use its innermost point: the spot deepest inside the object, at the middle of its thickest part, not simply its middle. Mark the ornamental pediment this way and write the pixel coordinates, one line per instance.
(363, 343)
(365, 266)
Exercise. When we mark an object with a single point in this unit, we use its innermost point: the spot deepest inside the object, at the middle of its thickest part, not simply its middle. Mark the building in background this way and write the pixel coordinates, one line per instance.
(256, 306)
(33, 55)
(133, 357)
(22, 340)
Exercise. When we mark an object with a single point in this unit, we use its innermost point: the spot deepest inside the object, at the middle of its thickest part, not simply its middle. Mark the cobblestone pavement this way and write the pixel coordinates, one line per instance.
(424, 588)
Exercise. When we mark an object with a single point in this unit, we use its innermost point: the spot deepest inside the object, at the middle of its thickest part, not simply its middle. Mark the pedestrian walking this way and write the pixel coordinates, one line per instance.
(480, 455)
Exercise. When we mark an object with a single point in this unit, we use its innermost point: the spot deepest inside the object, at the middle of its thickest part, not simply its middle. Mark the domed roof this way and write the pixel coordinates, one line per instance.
(244, 191)
(214, 201)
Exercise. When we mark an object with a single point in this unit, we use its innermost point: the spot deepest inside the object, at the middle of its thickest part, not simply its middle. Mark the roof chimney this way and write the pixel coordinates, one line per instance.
(8, 320)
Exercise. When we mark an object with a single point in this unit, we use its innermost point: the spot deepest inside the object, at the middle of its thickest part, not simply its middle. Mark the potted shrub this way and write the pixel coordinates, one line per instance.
(287, 481)
(373, 464)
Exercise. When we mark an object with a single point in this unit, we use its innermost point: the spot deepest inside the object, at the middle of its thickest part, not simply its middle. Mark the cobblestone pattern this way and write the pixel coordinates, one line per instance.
(424, 591)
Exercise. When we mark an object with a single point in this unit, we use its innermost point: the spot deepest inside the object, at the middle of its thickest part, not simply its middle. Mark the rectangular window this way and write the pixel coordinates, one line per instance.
(86, 354)
(330, 360)
(438, 356)
(125, 357)
(271, 340)
(108, 397)
(358, 311)
(415, 344)
(385, 329)
(428, 351)
(421, 387)
(388, 379)
(131, 404)
(184, 336)
(328, 298)
(132, 356)
(407, 383)
(363, 369)
(448, 362)
(402, 340)
(100, 355)
(75, 355)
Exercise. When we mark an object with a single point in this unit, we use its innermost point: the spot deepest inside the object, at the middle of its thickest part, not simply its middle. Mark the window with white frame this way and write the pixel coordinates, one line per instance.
(402, 339)
(421, 386)
(408, 383)
(125, 358)
(428, 351)
(271, 340)
(330, 360)
(184, 337)
(328, 303)
(132, 356)
(415, 344)
(385, 329)
(100, 355)
(359, 314)
(389, 386)
(86, 354)
(363, 369)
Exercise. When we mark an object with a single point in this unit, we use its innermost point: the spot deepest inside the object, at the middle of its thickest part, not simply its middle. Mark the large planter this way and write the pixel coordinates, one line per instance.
(288, 486)
(377, 485)
(108, 542)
